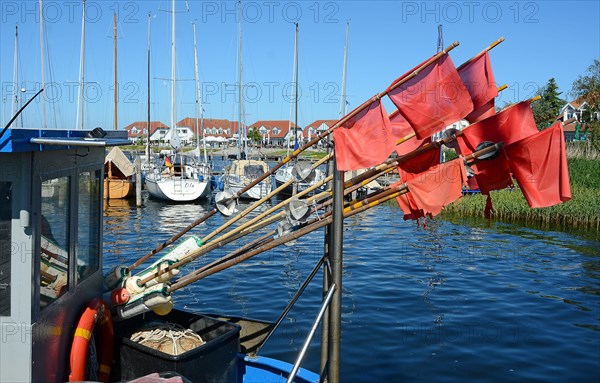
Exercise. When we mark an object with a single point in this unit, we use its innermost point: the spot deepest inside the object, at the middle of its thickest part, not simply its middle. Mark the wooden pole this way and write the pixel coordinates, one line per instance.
(138, 181)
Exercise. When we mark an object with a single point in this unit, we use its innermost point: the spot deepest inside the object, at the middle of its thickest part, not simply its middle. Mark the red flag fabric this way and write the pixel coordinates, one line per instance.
(365, 140)
(539, 164)
(437, 187)
(433, 99)
(408, 169)
(479, 80)
(486, 110)
(493, 174)
(400, 129)
(511, 124)
(408, 206)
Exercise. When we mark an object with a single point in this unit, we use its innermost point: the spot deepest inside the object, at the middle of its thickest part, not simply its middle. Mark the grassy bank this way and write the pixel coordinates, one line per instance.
(582, 211)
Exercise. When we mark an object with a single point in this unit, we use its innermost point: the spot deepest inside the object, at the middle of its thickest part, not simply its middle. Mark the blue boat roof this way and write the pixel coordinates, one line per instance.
(19, 140)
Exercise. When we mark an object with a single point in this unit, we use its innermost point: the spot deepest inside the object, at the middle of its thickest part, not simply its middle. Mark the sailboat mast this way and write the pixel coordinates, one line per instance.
(296, 94)
(196, 90)
(240, 86)
(199, 104)
(115, 83)
(173, 103)
(15, 100)
(343, 102)
(80, 100)
(148, 80)
(42, 62)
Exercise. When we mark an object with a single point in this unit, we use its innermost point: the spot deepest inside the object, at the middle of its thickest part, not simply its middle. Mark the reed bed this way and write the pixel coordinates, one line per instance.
(581, 212)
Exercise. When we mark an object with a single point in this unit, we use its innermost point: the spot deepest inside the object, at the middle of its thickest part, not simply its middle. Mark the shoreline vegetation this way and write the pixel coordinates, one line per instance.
(581, 212)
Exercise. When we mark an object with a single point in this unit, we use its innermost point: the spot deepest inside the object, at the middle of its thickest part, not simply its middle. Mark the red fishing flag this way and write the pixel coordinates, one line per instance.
(510, 125)
(411, 167)
(364, 140)
(433, 99)
(408, 206)
(401, 129)
(539, 164)
(430, 191)
(479, 80)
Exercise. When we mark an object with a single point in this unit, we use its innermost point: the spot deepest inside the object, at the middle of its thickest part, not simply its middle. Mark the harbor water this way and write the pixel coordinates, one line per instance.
(444, 302)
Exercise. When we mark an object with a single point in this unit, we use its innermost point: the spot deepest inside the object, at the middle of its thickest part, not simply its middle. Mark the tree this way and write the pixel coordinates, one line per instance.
(587, 88)
(254, 135)
(547, 108)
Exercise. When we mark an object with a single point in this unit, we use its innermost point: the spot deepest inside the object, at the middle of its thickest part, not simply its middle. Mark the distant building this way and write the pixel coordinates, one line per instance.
(575, 109)
(277, 132)
(317, 127)
(138, 131)
(213, 127)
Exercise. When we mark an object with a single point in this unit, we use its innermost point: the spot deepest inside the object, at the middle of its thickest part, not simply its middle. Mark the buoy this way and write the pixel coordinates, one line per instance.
(133, 285)
(163, 309)
(148, 300)
(119, 296)
(115, 277)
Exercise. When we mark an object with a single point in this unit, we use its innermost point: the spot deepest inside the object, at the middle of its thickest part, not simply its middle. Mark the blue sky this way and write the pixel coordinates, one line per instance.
(544, 39)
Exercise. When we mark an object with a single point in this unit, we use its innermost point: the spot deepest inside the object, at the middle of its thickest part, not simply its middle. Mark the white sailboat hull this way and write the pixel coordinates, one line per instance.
(256, 192)
(177, 189)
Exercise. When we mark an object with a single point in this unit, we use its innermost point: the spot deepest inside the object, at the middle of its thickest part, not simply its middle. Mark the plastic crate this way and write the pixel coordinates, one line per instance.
(215, 361)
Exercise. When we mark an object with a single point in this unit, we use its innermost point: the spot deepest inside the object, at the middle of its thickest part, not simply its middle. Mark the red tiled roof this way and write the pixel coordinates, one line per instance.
(570, 127)
(577, 103)
(316, 124)
(282, 125)
(210, 123)
(141, 125)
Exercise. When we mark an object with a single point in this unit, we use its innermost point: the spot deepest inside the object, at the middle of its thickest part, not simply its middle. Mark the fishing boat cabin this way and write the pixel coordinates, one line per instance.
(50, 245)
(51, 276)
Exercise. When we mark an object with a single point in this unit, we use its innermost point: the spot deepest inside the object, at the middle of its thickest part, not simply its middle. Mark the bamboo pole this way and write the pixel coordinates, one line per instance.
(487, 49)
(219, 266)
(250, 208)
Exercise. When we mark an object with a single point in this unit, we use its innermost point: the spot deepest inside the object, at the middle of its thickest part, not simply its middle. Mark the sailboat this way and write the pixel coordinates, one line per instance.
(288, 172)
(180, 180)
(243, 171)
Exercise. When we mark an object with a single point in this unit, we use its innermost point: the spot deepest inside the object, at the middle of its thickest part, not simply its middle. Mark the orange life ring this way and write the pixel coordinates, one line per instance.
(97, 310)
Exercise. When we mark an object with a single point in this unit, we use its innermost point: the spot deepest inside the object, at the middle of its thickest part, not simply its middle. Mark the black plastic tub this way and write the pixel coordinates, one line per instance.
(215, 361)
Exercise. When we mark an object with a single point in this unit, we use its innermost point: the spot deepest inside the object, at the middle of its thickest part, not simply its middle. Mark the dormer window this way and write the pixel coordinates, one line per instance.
(134, 130)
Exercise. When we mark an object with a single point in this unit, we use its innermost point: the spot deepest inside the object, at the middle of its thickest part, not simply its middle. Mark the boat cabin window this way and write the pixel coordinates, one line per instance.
(54, 245)
(253, 171)
(88, 226)
(5, 246)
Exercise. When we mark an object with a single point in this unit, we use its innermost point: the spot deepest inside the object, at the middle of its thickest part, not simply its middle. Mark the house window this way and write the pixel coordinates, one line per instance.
(5, 246)
(214, 131)
(228, 131)
(276, 131)
(134, 130)
(220, 130)
(145, 131)
(54, 246)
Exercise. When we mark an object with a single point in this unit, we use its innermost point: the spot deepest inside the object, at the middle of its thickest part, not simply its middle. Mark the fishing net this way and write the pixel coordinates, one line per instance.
(169, 338)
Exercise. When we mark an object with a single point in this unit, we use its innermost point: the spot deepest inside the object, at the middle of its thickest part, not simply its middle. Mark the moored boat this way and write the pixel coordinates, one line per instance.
(118, 175)
(47, 324)
(242, 172)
